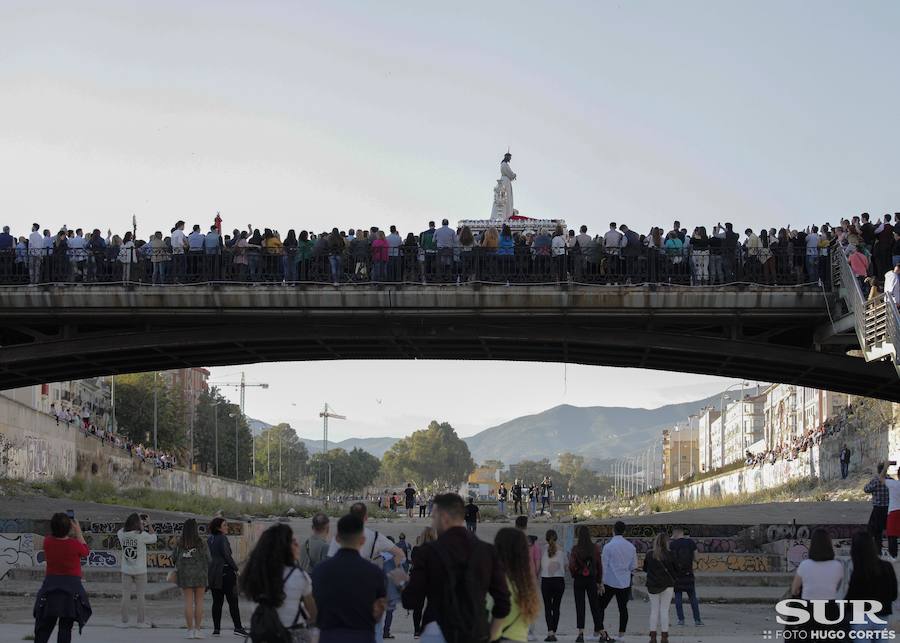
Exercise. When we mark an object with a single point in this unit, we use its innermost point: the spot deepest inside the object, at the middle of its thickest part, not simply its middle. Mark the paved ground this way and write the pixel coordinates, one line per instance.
(736, 624)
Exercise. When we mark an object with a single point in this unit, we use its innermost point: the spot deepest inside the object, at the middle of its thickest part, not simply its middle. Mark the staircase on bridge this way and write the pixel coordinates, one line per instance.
(876, 321)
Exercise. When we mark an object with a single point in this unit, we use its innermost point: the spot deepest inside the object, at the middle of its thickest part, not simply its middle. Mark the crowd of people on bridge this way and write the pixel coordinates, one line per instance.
(442, 253)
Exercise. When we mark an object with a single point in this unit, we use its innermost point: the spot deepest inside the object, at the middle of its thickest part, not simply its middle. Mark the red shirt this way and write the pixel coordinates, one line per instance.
(64, 556)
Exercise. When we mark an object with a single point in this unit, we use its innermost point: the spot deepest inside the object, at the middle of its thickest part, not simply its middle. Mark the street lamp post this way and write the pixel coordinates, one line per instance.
(236, 417)
(216, 430)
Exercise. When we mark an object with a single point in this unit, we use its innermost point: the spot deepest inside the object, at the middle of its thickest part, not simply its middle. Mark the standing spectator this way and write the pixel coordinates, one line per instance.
(336, 247)
(35, 254)
(191, 558)
(658, 565)
(619, 561)
(518, 508)
(502, 495)
(272, 578)
(134, 538)
(62, 597)
(472, 515)
(532, 499)
(410, 498)
(428, 535)
(683, 549)
(421, 502)
(819, 576)
(546, 486)
(380, 257)
(553, 582)
(534, 551)
(349, 592)
(513, 553)
(892, 283)
(456, 562)
(315, 548)
(223, 577)
(893, 519)
(880, 501)
(872, 579)
(587, 573)
(844, 458)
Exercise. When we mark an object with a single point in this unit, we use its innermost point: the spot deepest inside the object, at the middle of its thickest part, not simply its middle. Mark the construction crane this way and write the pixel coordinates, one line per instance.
(327, 413)
(243, 386)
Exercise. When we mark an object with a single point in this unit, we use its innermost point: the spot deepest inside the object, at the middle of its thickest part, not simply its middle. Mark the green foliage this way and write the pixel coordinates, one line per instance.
(435, 456)
(282, 459)
(134, 411)
(534, 471)
(338, 470)
(220, 428)
(109, 494)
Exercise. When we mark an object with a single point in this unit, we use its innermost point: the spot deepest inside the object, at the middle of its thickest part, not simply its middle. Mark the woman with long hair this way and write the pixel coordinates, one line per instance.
(660, 568)
(428, 534)
(62, 598)
(272, 576)
(587, 575)
(513, 553)
(134, 538)
(191, 558)
(553, 581)
(872, 579)
(819, 577)
(222, 576)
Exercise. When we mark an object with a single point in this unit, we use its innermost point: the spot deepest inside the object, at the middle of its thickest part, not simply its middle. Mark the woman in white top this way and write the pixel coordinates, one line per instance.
(272, 570)
(127, 256)
(134, 540)
(553, 581)
(819, 577)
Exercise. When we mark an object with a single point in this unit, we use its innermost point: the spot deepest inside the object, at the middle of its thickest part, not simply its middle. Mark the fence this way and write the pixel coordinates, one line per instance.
(406, 264)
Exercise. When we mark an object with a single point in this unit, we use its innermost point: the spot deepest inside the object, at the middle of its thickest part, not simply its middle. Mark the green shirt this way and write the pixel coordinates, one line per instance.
(514, 627)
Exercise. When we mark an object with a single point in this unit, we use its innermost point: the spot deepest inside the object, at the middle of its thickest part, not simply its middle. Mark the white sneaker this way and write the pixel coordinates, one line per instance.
(198, 634)
(190, 634)
(144, 626)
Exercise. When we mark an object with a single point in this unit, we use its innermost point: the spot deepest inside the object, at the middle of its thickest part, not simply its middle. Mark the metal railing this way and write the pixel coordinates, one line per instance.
(518, 264)
(876, 319)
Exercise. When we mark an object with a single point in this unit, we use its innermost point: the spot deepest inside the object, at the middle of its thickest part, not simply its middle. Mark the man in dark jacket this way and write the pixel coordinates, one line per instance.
(683, 549)
(467, 555)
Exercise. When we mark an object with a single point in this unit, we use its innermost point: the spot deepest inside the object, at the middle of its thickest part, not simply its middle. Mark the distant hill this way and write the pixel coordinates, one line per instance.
(599, 433)
(375, 446)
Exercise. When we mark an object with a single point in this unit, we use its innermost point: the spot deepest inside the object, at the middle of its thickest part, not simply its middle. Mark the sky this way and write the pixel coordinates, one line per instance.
(309, 115)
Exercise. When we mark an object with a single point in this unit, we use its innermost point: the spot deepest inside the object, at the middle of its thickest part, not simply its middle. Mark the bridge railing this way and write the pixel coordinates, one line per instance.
(518, 264)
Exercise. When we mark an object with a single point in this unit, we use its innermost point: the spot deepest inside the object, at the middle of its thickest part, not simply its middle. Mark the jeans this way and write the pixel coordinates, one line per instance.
(552, 590)
(44, 628)
(472, 526)
(659, 610)
(34, 268)
(140, 586)
(432, 634)
(501, 506)
(533, 504)
(621, 596)
(812, 267)
(178, 266)
(695, 604)
(160, 270)
(587, 585)
(227, 592)
(335, 262)
(845, 470)
(518, 506)
(545, 502)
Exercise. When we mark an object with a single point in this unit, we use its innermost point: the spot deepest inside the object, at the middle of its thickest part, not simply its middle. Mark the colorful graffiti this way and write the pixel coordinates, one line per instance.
(169, 527)
(724, 563)
(704, 545)
(649, 531)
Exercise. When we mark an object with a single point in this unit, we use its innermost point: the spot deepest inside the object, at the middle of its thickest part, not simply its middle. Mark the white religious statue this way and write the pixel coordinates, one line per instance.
(503, 192)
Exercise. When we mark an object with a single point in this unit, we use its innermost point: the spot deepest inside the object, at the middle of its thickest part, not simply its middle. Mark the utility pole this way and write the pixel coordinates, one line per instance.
(155, 402)
(216, 424)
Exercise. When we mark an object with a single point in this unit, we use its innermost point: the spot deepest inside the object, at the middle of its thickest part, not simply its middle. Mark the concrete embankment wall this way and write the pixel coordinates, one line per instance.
(819, 462)
(34, 448)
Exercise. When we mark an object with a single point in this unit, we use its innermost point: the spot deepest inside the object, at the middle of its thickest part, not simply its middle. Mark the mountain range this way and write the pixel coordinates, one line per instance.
(599, 433)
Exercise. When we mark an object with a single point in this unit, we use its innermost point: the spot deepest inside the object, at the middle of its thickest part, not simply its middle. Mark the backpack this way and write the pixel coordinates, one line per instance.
(463, 618)
(584, 568)
(266, 627)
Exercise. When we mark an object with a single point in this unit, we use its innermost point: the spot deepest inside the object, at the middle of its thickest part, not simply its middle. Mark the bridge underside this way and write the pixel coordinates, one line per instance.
(60, 334)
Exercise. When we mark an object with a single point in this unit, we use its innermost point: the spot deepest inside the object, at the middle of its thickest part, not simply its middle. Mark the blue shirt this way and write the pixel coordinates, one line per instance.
(619, 560)
(7, 241)
(195, 241)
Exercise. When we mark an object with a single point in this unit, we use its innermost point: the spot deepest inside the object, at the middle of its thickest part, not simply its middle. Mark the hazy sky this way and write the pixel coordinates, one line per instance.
(309, 115)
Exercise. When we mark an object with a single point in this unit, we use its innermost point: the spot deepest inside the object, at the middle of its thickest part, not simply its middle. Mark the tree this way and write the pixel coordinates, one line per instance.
(435, 455)
(134, 411)
(219, 431)
(281, 457)
(338, 470)
(534, 471)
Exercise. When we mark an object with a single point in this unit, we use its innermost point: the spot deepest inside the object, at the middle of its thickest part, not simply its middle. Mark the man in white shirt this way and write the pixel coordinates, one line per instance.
(613, 241)
(619, 559)
(35, 253)
(76, 254)
(892, 283)
(394, 242)
(178, 241)
(812, 254)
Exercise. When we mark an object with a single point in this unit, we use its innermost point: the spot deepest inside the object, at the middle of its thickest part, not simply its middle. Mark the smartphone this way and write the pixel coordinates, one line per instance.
(70, 513)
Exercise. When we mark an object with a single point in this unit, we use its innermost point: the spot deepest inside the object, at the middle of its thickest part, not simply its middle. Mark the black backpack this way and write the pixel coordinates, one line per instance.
(463, 618)
(266, 627)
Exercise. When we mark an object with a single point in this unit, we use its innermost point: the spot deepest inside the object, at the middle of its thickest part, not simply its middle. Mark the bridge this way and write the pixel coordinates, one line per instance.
(779, 334)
